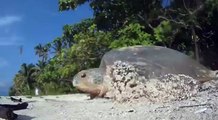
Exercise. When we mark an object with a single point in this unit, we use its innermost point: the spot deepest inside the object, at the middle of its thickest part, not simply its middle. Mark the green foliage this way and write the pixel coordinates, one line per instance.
(53, 88)
(42, 52)
(132, 34)
(163, 33)
(67, 70)
(21, 86)
(50, 81)
(211, 5)
(12, 91)
(91, 45)
(114, 14)
(69, 4)
(70, 30)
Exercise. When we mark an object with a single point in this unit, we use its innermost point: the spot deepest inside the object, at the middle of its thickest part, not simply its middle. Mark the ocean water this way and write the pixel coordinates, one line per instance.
(4, 89)
(3, 93)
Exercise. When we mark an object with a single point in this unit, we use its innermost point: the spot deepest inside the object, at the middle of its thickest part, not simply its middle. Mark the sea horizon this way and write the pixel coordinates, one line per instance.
(4, 93)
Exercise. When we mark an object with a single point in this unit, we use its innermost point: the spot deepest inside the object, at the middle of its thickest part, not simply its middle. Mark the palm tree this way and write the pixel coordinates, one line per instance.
(28, 72)
(42, 52)
(40, 65)
(57, 46)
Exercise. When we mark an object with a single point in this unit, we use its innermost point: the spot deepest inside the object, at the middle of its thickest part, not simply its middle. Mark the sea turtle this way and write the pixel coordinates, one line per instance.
(152, 61)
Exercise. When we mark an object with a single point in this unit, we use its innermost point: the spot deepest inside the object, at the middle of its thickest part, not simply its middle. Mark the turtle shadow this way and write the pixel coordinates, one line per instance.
(24, 117)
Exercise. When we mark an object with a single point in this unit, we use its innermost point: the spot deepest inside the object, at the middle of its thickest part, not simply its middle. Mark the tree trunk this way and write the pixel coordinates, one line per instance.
(194, 38)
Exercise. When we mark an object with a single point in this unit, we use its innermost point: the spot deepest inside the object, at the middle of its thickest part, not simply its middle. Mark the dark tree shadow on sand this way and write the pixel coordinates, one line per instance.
(24, 117)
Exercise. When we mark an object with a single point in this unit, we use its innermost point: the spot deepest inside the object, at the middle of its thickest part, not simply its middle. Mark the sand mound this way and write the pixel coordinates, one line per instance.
(127, 86)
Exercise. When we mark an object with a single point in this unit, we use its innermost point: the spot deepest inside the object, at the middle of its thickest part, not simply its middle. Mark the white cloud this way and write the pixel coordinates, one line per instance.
(8, 33)
(10, 40)
(3, 62)
(8, 20)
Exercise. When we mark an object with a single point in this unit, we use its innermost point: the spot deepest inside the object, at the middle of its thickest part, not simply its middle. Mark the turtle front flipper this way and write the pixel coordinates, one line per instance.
(94, 94)
(93, 90)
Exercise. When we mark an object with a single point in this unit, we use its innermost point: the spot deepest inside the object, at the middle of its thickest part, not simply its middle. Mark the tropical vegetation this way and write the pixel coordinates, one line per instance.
(189, 26)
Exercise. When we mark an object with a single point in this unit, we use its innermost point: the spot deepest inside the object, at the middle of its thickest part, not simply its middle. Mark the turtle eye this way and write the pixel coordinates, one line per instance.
(83, 75)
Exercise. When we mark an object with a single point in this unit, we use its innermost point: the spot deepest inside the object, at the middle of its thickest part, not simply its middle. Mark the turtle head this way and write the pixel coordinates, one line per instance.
(88, 77)
(90, 81)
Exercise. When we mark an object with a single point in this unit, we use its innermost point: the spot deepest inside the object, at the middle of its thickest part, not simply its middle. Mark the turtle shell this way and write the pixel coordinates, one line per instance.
(155, 61)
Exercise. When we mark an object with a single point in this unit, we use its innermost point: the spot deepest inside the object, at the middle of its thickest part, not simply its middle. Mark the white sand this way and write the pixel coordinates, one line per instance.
(78, 107)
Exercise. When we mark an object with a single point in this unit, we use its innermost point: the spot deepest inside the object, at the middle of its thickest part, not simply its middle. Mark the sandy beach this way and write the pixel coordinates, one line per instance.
(79, 107)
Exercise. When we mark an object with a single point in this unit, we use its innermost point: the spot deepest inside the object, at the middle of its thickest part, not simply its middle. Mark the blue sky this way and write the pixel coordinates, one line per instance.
(27, 23)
